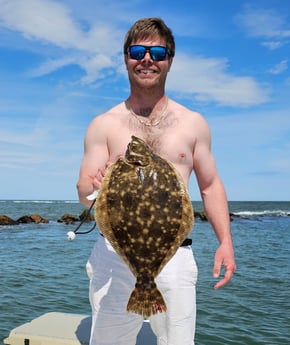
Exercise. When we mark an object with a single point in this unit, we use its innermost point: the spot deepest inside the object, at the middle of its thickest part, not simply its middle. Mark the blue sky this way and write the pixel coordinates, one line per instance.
(61, 64)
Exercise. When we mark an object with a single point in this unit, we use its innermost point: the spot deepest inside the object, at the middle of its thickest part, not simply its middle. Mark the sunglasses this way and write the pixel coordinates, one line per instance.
(157, 53)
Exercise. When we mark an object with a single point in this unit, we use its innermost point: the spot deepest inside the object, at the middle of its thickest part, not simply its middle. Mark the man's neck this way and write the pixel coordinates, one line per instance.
(147, 101)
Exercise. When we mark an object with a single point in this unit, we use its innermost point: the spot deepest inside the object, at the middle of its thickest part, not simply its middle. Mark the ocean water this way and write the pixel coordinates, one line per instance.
(40, 272)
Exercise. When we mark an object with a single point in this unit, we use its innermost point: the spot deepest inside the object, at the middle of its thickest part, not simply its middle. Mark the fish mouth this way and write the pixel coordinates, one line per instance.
(136, 152)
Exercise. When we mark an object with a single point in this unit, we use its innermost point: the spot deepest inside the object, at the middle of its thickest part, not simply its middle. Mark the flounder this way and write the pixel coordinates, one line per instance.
(145, 212)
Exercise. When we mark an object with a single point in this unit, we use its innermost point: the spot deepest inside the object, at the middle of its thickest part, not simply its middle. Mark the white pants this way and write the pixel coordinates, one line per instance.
(111, 283)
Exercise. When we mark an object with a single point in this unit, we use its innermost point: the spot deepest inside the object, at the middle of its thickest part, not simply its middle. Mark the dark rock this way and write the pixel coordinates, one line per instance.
(68, 219)
(5, 220)
(233, 216)
(201, 215)
(25, 220)
(38, 219)
(34, 218)
(86, 216)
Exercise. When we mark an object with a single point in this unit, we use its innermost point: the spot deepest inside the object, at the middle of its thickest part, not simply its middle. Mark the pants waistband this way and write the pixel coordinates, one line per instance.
(186, 242)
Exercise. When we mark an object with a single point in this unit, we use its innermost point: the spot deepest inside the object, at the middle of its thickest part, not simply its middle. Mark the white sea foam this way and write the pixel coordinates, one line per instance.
(265, 213)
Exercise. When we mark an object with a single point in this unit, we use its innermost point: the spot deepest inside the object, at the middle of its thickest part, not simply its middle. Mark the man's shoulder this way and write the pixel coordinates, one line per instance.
(190, 120)
(180, 108)
(111, 114)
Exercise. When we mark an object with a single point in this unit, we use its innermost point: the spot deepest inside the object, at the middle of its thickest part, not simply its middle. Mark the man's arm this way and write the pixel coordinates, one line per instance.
(215, 204)
(216, 209)
(94, 161)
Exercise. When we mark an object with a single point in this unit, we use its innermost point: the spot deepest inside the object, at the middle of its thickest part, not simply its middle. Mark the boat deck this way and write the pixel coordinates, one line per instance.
(64, 329)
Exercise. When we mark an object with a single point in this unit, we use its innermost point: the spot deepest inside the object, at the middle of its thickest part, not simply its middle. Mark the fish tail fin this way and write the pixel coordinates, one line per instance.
(146, 302)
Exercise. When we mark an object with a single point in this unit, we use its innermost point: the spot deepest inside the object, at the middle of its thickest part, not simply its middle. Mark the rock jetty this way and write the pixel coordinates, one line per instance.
(67, 218)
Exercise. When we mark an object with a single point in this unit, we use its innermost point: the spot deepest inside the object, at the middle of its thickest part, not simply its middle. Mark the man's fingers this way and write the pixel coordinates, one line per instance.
(217, 269)
(230, 270)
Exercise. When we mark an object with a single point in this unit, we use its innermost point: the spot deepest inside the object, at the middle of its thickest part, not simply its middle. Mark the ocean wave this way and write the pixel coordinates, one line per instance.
(33, 201)
(44, 201)
(70, 201)
(265, 213)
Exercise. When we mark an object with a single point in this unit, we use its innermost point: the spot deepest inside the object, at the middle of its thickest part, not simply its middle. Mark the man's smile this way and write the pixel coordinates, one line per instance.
(146, 71)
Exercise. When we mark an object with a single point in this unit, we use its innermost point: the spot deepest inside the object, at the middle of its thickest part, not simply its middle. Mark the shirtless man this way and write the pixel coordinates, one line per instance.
(180, 136)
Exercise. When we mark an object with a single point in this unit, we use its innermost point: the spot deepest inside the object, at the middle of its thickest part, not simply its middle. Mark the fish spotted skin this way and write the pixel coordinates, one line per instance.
(145, 212)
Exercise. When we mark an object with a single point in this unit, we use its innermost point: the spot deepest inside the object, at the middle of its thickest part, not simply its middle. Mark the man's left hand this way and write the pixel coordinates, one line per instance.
(224, 257)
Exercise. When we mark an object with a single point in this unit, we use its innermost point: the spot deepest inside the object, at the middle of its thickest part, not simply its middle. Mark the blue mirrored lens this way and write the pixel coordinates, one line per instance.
(157, 53)
(137, 52)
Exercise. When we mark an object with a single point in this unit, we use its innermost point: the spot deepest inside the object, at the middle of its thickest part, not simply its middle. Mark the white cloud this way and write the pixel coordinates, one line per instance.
(272, 45)
(50, 22)
(44, 20)
(95, 67)
(279, 68)
(266, 24)
(208, 80)
(51, 65)
(90, 49)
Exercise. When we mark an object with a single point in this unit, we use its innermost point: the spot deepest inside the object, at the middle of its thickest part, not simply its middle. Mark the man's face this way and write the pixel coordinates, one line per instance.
(146, 72)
